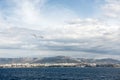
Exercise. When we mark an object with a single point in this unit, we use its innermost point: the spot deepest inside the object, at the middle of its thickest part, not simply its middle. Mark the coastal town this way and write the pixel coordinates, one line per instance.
(57, 61)
(38, 65)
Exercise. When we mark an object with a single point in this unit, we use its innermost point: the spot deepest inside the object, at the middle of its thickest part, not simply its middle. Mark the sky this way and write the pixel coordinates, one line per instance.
(76, 28)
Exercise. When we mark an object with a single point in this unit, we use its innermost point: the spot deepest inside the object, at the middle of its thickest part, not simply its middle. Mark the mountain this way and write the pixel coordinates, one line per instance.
(15, 60)
(100, 61)
(107, 60)
(58, 59)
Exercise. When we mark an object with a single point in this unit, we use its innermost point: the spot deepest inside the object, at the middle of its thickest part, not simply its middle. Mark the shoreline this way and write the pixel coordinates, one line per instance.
(39, 65)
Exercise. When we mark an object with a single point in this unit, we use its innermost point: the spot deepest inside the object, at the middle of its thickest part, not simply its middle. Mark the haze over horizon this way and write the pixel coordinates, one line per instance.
(79, 28)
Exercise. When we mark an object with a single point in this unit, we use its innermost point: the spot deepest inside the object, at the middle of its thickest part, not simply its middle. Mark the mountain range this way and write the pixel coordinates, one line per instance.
(58, 59)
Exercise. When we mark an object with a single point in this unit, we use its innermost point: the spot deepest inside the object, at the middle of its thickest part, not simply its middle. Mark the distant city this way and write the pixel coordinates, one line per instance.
(57, 61)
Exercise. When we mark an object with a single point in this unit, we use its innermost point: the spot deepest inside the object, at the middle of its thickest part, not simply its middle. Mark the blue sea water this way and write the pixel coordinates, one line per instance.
(60, 73)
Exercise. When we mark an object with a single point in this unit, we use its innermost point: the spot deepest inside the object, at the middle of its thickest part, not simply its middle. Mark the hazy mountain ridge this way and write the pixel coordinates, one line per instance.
(58, 59)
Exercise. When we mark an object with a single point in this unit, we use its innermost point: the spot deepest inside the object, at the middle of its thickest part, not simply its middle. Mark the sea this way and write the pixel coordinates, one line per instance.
(60, 73)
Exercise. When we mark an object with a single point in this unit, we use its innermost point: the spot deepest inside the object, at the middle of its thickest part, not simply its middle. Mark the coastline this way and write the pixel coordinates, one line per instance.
(81, 65)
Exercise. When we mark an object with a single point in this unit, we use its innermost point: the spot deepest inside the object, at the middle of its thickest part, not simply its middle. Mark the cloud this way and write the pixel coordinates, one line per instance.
(89, 35)
(37, 13)
(112, 8)
(35, 25)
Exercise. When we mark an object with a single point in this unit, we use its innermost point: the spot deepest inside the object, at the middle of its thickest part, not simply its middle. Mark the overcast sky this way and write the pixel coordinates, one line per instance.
(78, 28)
